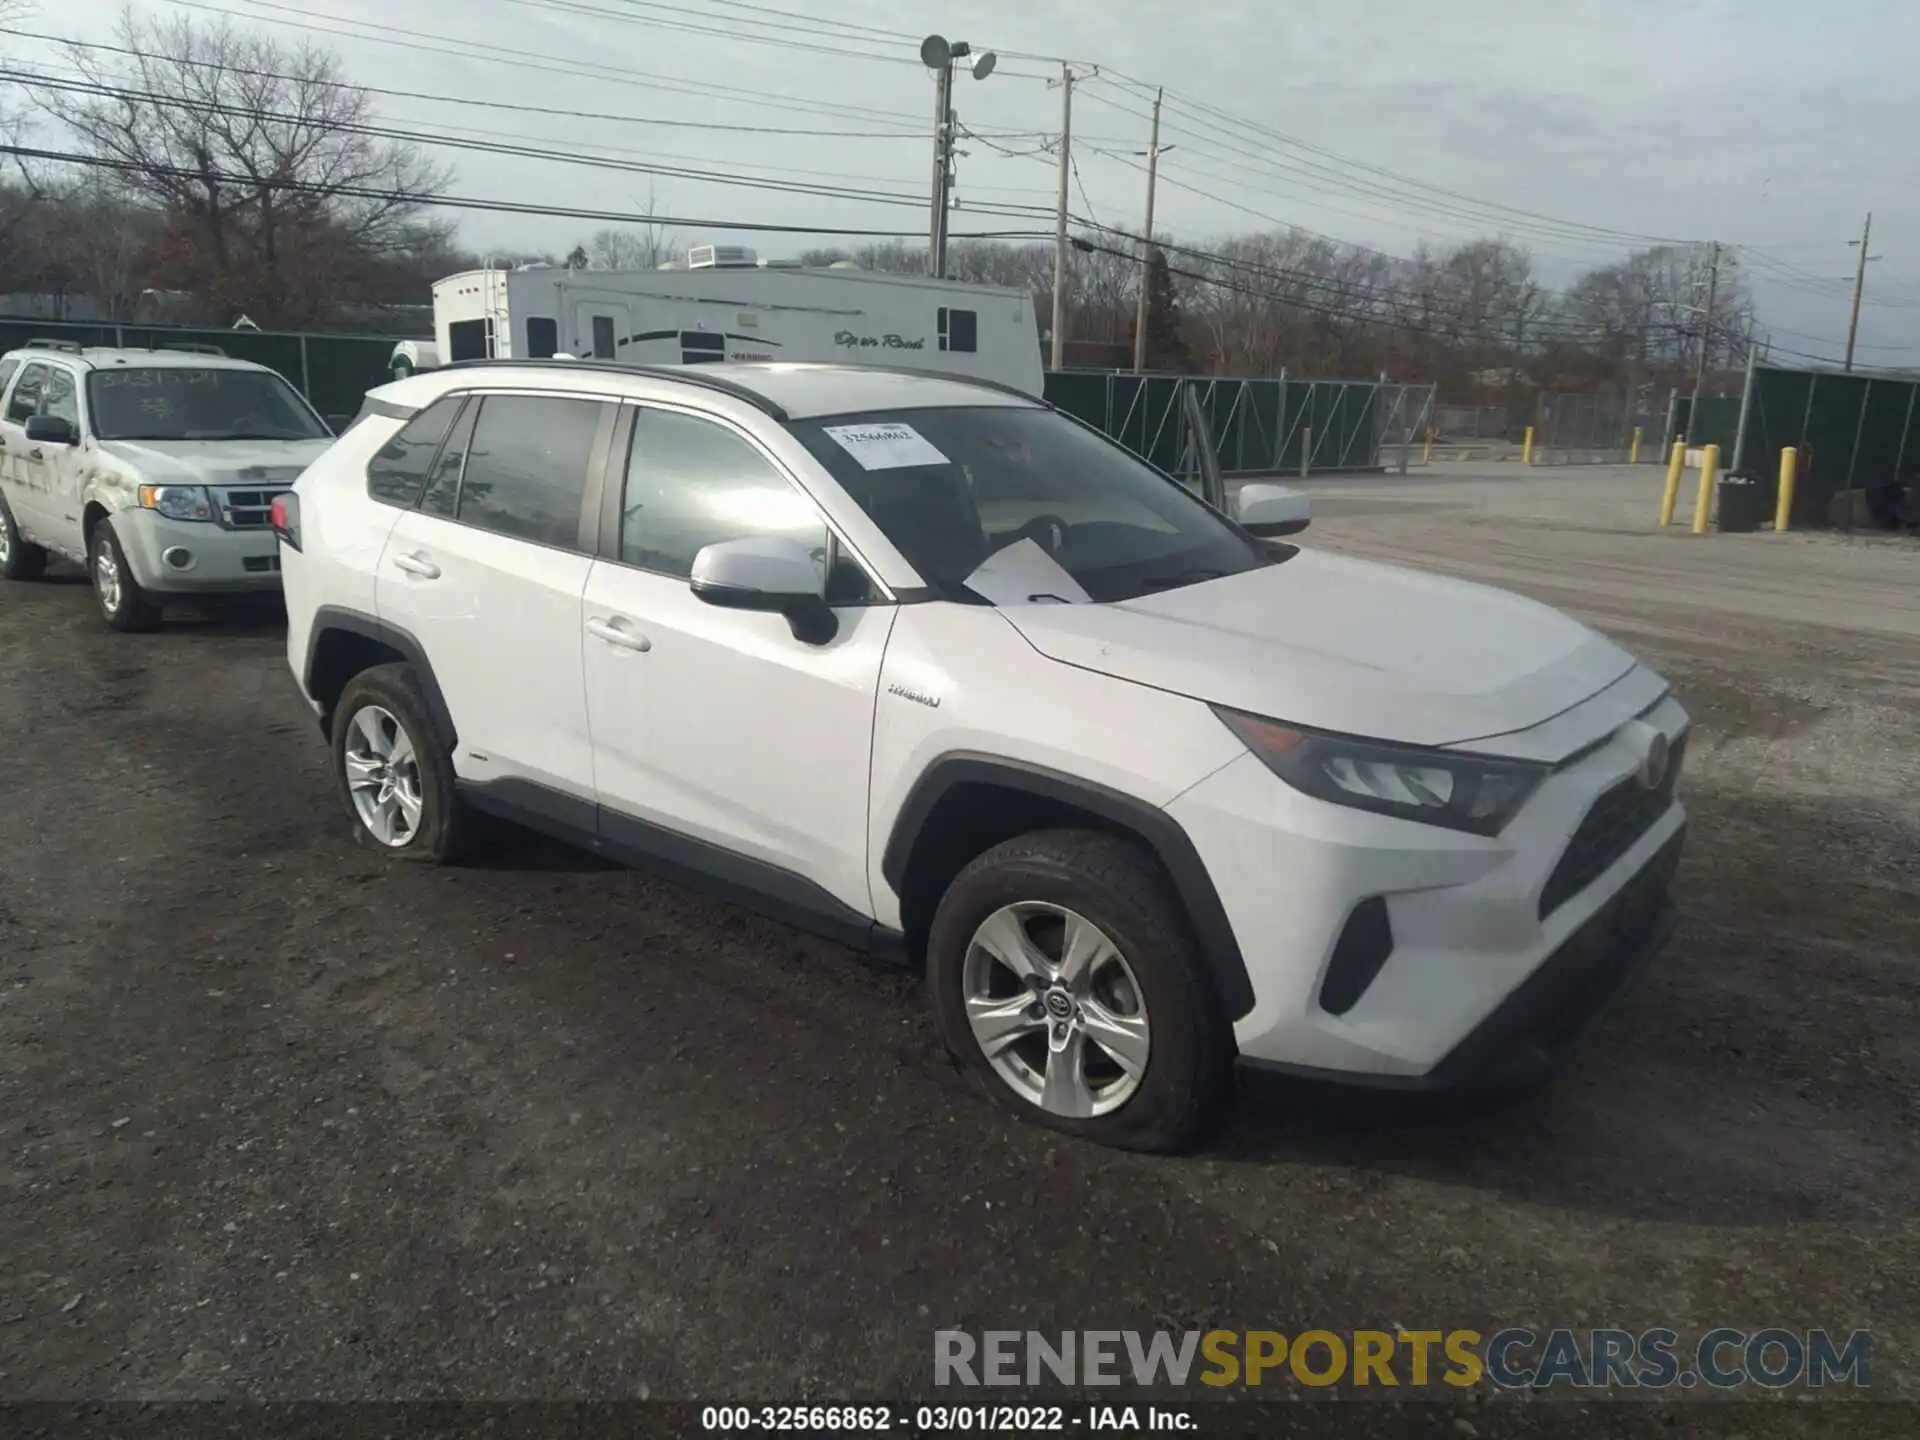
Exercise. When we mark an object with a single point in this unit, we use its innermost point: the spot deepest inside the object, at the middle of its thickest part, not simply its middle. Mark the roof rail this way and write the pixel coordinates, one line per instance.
(72, 347)
(918, 374)
(684, 374)
(193, 347)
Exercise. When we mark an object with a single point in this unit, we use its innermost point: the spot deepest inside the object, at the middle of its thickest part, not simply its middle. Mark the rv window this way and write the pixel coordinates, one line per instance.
(543, 338)
(701, 347)
(603, 344)
(691, 483)
(400, 466)
(527, 467)
(959, 329)
(467, 340)
(441, 497)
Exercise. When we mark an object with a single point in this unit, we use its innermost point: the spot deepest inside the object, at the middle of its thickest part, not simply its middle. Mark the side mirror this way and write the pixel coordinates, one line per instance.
(771, 573)
(52, 430)
(1269, 510)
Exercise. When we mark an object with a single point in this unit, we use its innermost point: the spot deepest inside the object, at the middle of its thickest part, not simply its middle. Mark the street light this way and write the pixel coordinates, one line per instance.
(939, 55)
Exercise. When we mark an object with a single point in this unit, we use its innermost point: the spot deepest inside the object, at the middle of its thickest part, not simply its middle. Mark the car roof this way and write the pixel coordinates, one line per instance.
(787, 389)
(104, 357)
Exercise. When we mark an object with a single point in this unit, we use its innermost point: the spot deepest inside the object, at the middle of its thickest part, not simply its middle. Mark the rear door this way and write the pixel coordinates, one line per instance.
(25, 477)
(487, 574)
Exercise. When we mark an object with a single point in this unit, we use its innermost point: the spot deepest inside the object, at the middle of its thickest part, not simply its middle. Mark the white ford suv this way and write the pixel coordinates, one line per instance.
(931, 667)
(152, 468)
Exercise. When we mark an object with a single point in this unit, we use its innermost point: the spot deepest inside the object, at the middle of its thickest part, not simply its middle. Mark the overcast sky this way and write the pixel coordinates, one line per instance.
(1770, 125)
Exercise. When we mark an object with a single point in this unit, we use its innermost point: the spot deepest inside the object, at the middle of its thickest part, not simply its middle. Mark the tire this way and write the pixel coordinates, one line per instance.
(19, 559)
(1050, 884)
(123, 604)
(386, 703)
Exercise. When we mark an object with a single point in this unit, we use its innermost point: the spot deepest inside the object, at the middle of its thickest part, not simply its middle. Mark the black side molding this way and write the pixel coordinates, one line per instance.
(753, 885)
(1219, 949)
(335, 619)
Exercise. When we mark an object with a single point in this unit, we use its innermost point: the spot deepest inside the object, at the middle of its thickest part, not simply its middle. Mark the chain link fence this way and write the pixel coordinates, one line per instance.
(1260, 426)
(1600, 427)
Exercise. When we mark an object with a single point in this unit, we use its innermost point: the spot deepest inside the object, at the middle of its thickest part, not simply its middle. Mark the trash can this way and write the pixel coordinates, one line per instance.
(1740, 502)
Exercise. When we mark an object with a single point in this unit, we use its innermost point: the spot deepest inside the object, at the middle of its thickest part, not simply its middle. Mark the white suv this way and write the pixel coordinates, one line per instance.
(933, 668)
(153, 468)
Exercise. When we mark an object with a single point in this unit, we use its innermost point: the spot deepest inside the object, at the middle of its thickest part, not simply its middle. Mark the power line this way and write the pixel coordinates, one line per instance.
(505, 207)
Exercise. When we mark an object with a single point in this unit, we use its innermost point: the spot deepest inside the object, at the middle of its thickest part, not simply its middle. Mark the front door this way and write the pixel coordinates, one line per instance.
(57, 486)
(717, 726)
(600, 330)
(486, 573)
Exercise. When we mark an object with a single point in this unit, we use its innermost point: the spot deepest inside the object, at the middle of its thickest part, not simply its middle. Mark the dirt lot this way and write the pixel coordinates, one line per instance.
(281, 1121)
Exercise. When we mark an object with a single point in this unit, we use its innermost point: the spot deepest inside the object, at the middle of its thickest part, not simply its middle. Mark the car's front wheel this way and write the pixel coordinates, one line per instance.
(1064, 980)
(19, 559)
(123, 604)
(394, 773)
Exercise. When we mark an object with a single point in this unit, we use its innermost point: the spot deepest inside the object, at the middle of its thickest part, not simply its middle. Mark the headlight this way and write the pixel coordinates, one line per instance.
(1437, 787)
(177, 502)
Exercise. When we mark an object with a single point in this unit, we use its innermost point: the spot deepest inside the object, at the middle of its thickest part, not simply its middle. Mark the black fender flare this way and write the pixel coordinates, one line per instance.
(335, 618)
(1219, 948)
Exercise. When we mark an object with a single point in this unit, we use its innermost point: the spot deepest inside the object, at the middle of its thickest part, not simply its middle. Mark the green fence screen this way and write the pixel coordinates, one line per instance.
(1853, 432)
(334, 372)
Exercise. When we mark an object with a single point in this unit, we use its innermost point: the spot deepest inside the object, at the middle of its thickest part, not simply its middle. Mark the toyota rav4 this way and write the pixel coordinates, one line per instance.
(933, 668)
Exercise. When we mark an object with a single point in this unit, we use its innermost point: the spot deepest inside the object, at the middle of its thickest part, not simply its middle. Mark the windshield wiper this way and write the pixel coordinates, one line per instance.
(1185, 577)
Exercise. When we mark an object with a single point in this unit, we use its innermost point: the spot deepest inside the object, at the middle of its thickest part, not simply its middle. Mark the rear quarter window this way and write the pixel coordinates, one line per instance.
(398, 470)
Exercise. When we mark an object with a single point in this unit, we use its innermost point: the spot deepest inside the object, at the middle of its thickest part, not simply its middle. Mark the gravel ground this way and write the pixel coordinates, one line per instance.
(280, 1121)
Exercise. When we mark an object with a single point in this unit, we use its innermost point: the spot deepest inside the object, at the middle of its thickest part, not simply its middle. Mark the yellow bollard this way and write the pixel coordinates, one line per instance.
(1675, 468)
(1633, 453)
(1426, 455)
(1789, 463)
(1306, 449)
(1526, 447)
(1703, 501)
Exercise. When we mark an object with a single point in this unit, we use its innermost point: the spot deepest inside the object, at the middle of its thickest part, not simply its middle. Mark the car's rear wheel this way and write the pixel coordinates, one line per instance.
(123, 604)
(19, 559)
(394, 773)
(1064, 980)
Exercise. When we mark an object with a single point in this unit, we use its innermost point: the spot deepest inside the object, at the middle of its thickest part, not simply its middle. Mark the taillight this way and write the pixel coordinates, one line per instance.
(285, 517)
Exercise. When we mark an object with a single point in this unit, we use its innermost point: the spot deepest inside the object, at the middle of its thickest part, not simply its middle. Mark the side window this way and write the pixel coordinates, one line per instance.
(442, 495)
(469, 340)
(543, 337)
(7, 367)
(399, 467)
(959, 329)
(692, 483)
(527, 466)
(60, 398)
(26, 395)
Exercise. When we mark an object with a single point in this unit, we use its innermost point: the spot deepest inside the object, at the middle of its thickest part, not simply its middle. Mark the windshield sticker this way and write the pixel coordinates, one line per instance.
(1025, 574)
(889, 446)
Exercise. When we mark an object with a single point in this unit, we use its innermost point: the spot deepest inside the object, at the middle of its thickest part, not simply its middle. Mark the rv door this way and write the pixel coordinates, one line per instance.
(599, 327)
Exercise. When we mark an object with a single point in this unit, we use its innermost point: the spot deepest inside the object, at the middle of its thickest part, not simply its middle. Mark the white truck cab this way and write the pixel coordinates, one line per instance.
(152, 468)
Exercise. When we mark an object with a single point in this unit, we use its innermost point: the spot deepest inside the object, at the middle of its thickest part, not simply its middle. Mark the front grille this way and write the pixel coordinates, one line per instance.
(1618, 819)
(260, 563)
(247, 509)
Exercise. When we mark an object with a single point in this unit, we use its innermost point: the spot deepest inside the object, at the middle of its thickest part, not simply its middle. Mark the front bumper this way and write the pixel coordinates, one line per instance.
(1533, 1031)
(222, 561)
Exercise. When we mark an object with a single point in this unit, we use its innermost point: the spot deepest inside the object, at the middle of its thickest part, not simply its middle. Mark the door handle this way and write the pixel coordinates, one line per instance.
(418, 565)
(36, 454)
(612, 632)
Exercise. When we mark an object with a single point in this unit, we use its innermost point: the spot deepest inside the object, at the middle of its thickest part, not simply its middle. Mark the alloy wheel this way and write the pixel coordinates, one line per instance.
(383, 775)
(1056, 1009)
(106, 577)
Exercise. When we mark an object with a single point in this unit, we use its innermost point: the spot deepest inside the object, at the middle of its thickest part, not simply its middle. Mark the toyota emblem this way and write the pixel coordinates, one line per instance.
(1653, 765)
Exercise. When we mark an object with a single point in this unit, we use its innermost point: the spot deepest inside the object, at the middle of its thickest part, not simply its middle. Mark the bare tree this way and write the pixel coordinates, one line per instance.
(257, 153)
(642, 247)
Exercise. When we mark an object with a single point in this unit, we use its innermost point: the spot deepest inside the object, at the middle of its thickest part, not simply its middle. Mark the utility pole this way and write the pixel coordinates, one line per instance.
(1859, 284)
(1146, 243)
(942, 169)
(1706, 339)
(1060, 225)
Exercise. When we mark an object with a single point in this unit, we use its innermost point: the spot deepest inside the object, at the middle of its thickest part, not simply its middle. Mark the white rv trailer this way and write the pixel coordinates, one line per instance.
(726, 304)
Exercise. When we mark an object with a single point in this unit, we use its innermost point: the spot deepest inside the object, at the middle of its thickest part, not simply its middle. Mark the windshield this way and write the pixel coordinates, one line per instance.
(179, 402)
(1008, 504)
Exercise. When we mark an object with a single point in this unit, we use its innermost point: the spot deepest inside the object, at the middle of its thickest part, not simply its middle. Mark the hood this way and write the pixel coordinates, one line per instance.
(1334, 643)
(217, 462)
